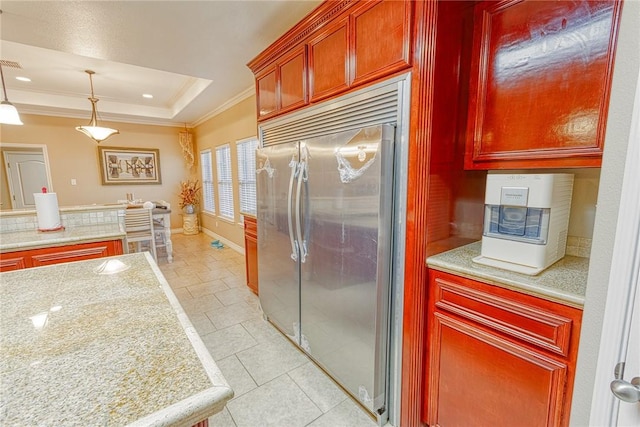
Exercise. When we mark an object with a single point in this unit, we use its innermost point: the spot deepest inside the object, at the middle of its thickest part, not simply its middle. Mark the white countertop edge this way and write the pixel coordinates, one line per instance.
(537, 290)
(188, 412)
(39, 244)
(95, 207)
(221, 390)
(63, 209)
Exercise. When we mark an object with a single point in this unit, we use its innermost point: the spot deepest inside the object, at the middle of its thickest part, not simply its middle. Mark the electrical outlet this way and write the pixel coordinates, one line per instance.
(73, 181)
(216, 223)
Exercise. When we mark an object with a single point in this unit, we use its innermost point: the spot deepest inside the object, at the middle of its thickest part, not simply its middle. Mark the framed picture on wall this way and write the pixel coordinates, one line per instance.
(123, 165)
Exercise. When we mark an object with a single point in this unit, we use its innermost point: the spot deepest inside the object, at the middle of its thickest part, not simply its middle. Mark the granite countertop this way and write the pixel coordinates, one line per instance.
(66, 209)
(88, 349)
(564, 282)
(34, 239)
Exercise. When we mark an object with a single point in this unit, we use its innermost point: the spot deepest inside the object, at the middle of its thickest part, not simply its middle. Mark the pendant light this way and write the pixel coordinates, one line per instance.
(92, 130)
(8, 113)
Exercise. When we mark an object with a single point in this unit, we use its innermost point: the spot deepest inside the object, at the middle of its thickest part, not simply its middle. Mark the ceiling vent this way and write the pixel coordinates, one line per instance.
(10, 64)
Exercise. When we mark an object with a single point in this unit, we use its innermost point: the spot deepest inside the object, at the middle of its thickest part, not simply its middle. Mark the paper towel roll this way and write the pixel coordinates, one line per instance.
(47, 211)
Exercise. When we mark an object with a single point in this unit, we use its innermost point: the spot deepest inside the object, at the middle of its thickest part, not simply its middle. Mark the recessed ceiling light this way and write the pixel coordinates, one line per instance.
(147, 95)
(23, 79)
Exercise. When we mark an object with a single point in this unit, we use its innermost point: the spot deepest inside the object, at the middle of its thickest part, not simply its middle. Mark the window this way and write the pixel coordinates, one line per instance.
(247, 174)
(225, 184)
(207, 181)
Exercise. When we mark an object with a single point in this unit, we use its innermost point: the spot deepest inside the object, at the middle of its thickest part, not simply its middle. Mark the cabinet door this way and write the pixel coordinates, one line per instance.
(329, 61)
(540, 80)
(381, 39)
(293, 80)
(266, 96)
(480, 379)
(251, 252)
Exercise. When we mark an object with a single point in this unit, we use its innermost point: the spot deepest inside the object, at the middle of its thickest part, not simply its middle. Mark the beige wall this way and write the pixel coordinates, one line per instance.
(72, 155)
(236, 123)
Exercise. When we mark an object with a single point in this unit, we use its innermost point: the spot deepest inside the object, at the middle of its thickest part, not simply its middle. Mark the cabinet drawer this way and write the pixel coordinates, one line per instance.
(71, 253)
(529, 323)
(9, 262)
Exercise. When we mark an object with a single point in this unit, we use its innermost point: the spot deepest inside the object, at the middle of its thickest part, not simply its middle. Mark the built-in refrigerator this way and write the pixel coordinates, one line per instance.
(324, 251)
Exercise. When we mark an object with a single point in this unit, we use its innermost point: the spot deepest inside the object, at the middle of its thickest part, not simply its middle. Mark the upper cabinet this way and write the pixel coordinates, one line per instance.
(283, 86)
(266, 92)
(381, 37)
(340, 46)
(293, 84)
(329, 61)
(539, 87)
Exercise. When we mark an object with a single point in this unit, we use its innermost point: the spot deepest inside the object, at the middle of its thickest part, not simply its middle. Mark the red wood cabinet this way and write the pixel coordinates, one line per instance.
(344, 45)
(59, 254)
(266, 92)
(251, 252)
(329, 61)
(540, 80)
(13, 261)
(496, 356)
(380, 39)
(283, 86)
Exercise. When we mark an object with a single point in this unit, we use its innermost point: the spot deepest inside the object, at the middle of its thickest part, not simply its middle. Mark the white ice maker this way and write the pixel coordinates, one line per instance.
(526, 220)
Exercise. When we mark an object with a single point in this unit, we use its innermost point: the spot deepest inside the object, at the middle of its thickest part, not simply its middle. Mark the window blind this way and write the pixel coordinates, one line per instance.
(247, 175)
(225, 183)
(207, 181)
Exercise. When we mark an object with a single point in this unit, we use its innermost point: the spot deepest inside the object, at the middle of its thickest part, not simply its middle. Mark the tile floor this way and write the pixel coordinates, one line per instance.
(274, 383)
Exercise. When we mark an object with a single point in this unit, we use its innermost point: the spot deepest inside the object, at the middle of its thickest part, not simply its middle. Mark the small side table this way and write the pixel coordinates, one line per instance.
(190, 224)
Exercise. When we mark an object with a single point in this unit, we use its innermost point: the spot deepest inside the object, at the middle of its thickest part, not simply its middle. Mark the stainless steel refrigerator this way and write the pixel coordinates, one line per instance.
(324, 252)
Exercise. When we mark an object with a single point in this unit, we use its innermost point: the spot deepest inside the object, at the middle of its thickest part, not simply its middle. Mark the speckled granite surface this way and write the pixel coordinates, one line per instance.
(33, 239)
(84, 349)
(565, 281)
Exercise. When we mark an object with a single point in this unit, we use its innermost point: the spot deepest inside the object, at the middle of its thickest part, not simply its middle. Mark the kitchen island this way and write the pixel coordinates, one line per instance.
(101, 342)
(32, 248)
(34, 239)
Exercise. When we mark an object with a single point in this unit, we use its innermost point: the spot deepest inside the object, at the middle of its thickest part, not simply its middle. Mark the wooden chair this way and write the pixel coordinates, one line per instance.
(162, 228)
(138, 223)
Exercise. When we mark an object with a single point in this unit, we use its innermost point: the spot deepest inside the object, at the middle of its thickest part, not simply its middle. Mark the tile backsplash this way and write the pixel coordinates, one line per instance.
(578, 246)
(74, 218)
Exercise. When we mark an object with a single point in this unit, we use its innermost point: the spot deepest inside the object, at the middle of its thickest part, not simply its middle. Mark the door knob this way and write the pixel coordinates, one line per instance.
(623, 390)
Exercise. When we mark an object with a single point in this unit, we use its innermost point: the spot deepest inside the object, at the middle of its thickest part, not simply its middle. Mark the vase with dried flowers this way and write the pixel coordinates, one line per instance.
(189, 195)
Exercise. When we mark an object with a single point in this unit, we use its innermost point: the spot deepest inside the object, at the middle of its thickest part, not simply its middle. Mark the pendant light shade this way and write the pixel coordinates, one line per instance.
(8, 113)
(92, 130)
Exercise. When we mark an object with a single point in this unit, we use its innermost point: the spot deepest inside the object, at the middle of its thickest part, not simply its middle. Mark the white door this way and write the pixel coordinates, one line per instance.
(616, 395)
(27, 174)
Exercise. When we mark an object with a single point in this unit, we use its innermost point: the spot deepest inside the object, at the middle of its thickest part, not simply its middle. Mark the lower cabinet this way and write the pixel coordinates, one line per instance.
(59, 254)
(497, 357)
(13, 261)
(251, 252)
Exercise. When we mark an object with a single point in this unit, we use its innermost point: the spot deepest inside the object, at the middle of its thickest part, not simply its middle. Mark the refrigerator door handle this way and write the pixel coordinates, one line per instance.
(302, 176)
(294, 244)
